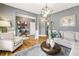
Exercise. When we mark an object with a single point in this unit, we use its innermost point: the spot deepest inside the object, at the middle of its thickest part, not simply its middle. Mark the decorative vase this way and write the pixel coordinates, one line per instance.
(52, 43)
(47, 42)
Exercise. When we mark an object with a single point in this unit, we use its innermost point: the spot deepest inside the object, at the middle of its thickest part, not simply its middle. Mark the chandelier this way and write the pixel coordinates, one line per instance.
(45, 11)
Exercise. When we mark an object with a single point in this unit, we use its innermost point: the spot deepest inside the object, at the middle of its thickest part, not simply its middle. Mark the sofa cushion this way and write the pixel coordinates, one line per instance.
(17, 40)
(7, 36)
(64, 42)
(69, 35)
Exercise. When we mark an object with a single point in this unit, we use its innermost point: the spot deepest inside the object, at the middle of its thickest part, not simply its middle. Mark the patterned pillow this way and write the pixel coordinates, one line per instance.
(55, 34)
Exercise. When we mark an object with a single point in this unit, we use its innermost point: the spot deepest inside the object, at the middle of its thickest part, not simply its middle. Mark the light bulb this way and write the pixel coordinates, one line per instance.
(45, 15)
(47, 23)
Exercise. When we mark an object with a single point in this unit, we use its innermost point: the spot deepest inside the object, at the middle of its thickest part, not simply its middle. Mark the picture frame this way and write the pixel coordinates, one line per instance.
(68, 21)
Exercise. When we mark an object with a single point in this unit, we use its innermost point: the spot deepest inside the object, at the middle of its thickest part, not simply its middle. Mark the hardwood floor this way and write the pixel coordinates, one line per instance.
(26, 44)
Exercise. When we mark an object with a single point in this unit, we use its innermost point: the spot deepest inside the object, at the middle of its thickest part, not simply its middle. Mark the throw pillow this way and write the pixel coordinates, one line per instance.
(56, 34)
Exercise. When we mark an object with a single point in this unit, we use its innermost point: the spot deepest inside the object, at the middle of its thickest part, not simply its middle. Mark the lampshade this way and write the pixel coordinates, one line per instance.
(4, 23)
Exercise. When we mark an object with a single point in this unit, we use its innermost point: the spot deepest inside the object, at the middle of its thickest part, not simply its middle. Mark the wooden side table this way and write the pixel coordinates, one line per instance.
(50, 51)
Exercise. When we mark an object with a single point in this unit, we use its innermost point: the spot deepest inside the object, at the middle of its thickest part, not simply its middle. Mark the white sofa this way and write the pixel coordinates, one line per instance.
(69, 39)
(9, 42)
(75, 50)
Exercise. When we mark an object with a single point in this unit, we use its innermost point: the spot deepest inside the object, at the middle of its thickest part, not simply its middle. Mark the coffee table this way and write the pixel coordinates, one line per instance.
(50, 51)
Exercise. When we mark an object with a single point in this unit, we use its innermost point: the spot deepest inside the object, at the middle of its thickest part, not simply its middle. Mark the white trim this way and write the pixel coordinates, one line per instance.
(42, 35)
(22, 15)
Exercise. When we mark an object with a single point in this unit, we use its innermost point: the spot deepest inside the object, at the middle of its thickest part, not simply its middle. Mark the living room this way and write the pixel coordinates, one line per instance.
(25, 29)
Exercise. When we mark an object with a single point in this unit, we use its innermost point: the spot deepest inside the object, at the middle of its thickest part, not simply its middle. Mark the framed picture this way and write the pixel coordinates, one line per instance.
(68, 21)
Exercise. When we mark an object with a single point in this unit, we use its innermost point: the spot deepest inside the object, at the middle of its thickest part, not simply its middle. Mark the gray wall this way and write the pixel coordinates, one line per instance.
(9, 13)
(72, 11)
(42, 28)
(56, 17)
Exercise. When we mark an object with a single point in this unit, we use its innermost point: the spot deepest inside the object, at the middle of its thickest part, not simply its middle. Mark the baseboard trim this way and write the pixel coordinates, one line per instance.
(42, 35)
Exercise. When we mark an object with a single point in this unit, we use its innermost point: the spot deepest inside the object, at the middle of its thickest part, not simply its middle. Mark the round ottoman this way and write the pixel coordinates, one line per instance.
(50, 51)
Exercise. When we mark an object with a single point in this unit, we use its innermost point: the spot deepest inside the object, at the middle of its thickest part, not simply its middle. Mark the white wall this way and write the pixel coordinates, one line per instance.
(32, 28)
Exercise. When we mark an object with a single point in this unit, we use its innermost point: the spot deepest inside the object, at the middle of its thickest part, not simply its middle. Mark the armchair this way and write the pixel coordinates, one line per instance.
(9, 42)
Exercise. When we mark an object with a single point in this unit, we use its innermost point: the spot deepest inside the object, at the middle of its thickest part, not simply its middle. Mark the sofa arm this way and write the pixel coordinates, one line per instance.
(75, 49)
(17, 40)
(6, 45)
(17, 37)
(57, 40)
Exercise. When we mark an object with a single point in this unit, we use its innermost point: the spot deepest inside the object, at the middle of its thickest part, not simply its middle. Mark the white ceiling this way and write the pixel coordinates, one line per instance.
(36, 8)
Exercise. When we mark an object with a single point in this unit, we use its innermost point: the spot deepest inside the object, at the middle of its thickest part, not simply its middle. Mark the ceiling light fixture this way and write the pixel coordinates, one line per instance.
(45, 11)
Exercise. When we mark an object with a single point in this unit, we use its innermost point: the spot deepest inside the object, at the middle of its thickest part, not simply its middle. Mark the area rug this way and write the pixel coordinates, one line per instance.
(37, 51)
